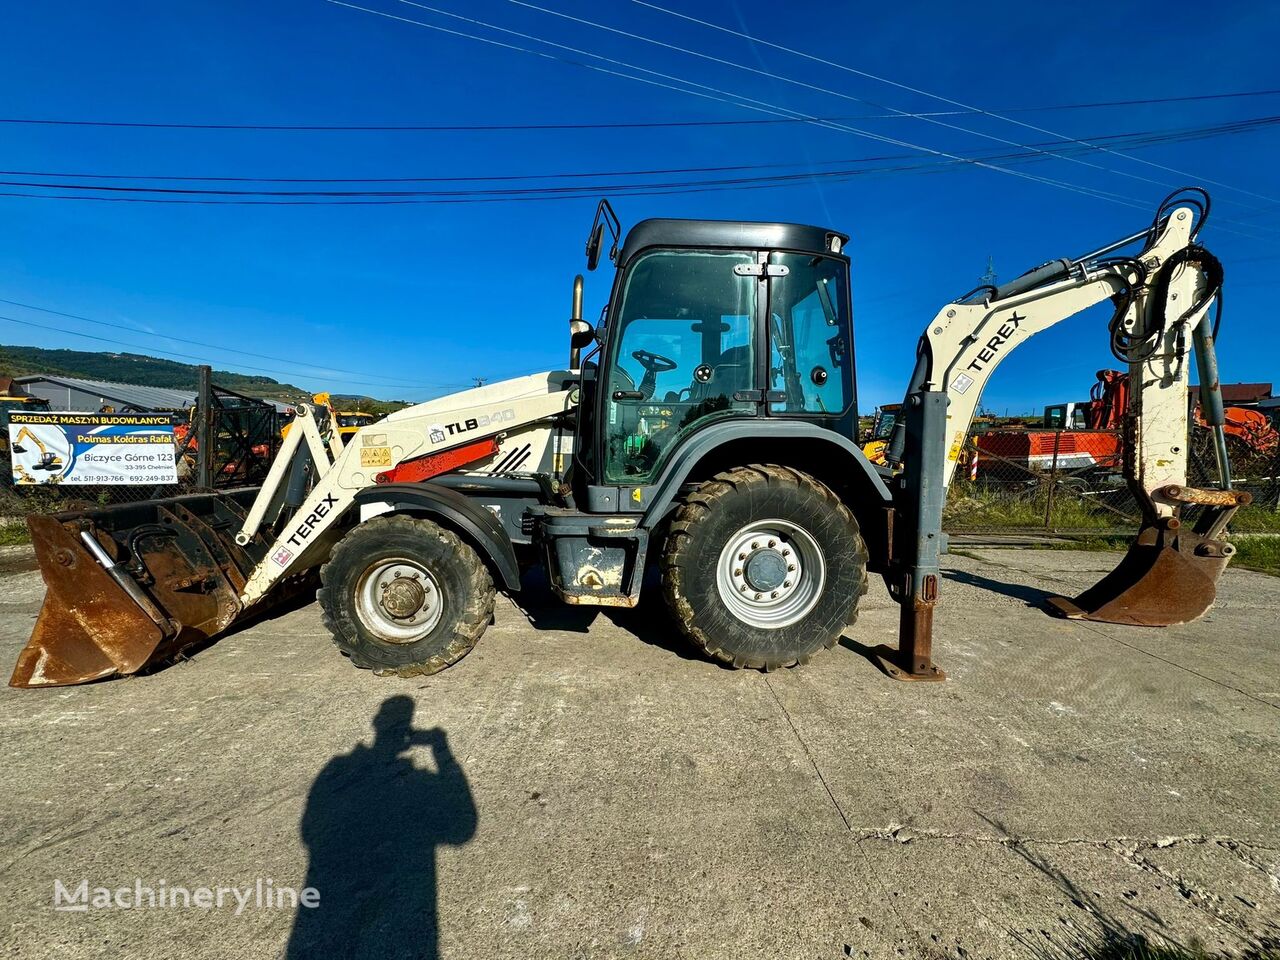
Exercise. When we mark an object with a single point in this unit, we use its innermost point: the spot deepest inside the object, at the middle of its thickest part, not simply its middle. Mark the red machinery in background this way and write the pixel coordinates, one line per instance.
(1084, 438)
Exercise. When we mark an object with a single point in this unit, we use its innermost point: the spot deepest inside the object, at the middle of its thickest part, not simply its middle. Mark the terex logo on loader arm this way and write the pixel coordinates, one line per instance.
(312, 520)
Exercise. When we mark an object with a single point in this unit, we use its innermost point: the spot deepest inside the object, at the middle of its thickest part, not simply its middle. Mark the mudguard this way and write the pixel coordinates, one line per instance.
(477, 524)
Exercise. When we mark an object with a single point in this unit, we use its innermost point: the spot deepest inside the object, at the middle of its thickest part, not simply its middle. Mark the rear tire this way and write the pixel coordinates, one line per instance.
(763, 567)
(405, 597)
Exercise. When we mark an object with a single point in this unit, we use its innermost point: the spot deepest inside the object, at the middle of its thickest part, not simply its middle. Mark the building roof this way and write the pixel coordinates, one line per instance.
(1245, 392)
(121, 394)
(129, 394)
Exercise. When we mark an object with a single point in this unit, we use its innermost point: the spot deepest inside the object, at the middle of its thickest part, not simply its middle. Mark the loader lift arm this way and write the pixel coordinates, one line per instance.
(1162, 296)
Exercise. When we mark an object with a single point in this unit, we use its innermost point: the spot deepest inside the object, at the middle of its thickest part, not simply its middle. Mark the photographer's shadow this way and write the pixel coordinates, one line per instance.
(372, 824)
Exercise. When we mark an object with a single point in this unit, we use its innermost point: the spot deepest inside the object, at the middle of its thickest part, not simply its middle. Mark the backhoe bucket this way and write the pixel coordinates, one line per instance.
(1168, 576)
(133, 585)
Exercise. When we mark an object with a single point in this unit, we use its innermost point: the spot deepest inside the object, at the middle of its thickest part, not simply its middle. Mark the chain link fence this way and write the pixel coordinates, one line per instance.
(1072, 482)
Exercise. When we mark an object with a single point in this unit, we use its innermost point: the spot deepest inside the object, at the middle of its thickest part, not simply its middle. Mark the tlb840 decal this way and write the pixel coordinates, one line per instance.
(440, 432)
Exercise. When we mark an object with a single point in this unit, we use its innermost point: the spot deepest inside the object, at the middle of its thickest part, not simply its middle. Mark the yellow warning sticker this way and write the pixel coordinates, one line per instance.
(375, 456)
(956, 445)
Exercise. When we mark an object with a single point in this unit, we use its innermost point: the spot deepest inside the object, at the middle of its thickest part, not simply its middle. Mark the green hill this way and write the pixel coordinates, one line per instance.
(135, 368)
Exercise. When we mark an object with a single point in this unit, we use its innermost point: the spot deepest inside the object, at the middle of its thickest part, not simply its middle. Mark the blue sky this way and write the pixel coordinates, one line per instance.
(409, 300)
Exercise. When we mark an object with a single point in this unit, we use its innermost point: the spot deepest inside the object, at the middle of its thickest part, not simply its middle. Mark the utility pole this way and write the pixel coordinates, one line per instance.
(206, 433)
(989, 278)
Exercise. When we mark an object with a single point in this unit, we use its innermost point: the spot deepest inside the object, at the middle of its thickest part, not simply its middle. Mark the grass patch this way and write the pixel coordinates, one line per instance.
(1256, 519)
(1258, 553)
(970, 506)
(14, 534)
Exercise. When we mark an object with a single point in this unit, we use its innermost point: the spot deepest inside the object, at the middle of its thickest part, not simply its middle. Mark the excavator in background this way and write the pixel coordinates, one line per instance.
(348, 421)
(1083, 438)
(710, 429)
(876, 445)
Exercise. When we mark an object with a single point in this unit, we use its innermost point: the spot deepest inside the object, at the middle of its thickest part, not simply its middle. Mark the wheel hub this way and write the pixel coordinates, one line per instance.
(403, 597)
(771, 573)
(765, 570)
(399, 600)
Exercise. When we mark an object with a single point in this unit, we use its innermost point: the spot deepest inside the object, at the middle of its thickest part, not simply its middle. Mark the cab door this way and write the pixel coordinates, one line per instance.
(809, 330)
(681, 353)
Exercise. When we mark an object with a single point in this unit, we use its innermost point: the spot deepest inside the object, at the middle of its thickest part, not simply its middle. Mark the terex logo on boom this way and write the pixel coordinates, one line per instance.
(313, 520)
(987, 353)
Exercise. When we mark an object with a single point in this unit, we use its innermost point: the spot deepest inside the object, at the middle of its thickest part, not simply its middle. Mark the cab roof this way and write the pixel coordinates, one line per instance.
(728, 234)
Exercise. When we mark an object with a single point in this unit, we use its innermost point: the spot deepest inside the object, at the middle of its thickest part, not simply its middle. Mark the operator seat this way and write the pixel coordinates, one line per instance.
(730, 374)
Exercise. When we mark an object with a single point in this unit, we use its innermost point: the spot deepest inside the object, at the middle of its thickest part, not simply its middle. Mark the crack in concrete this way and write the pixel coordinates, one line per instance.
(786, 715)
(1130, 850)
(901, 833)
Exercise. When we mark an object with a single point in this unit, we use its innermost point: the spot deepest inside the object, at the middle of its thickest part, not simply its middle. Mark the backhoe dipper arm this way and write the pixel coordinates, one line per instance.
(1162, 296)
(967, 341)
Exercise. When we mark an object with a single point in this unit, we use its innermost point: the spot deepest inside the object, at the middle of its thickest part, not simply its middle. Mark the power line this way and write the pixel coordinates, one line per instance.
(800, 83)
(619, 125)
(933, 96)
(718, 94)
(322, 371)
(1138, 138)
(167, 353)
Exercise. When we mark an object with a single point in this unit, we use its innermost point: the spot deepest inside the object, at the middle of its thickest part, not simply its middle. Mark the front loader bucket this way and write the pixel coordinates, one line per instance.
(132, 585)
(1167, 577)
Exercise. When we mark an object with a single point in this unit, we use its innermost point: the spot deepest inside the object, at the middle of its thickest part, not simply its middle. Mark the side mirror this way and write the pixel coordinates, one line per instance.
(593, 246)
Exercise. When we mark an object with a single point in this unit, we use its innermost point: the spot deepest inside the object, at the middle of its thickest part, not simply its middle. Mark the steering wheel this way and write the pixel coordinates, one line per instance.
(654, 364)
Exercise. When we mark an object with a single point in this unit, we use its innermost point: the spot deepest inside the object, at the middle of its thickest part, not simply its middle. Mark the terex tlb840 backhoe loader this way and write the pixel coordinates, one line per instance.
(711, 429)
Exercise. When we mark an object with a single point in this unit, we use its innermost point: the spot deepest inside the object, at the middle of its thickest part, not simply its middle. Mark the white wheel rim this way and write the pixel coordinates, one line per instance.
(398, 600)
(771, 574)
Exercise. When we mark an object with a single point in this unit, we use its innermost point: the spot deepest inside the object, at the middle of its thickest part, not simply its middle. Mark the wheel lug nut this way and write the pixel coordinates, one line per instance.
(743, 588)
(791, 567)
(742, 556)
(755, 544)
(773, 543)
(786, 583)
(738, 572)
(786, 553)
(757, 596)
(774, 594)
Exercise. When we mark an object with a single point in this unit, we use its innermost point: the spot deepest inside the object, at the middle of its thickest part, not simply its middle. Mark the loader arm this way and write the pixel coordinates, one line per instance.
(1162, 295)
(133, 585)
(383, 452)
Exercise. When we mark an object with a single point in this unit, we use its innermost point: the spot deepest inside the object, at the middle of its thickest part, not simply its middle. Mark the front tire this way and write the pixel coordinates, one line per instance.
(763, 567)
(405, 597)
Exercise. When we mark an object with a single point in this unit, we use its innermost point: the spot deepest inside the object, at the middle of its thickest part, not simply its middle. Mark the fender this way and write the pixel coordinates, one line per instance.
(481, 527)
(716, 435)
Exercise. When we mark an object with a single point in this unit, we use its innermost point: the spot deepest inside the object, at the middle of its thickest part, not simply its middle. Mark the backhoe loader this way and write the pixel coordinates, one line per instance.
(709, 430)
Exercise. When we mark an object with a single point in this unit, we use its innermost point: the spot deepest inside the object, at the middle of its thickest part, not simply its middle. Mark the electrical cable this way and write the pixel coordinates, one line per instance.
(167, 353)
(933, 96)
(1138, 138)
(778, 77)
(488, 127)
(760, 105)
(323, 370)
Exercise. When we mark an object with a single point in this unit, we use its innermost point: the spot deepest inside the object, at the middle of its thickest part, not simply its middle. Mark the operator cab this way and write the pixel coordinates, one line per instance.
(712, 321)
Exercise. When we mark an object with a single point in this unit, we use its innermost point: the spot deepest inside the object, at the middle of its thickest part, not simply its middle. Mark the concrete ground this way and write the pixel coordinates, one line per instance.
(582, 785)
